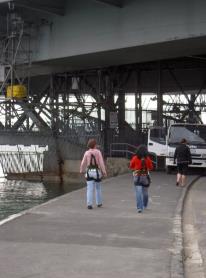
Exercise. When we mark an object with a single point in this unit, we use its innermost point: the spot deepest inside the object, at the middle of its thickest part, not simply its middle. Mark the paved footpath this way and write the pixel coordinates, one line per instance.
(63, 239)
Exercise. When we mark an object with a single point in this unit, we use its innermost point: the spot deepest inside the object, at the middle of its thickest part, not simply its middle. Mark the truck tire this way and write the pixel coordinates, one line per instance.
(204, 172)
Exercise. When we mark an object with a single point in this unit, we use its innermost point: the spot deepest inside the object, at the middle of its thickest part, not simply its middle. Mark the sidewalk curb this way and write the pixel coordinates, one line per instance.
(177, 267)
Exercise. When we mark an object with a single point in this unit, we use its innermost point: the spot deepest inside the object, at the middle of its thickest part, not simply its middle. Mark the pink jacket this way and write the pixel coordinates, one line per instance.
(87, 158)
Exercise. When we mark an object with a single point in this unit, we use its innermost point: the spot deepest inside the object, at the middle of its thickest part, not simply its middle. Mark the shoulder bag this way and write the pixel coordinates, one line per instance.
(93, 172)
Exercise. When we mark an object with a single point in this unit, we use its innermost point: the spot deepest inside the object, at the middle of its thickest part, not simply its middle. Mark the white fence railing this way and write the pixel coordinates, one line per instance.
(15, 162)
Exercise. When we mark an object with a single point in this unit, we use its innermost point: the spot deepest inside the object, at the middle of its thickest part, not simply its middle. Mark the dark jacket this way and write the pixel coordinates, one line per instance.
(182, 154)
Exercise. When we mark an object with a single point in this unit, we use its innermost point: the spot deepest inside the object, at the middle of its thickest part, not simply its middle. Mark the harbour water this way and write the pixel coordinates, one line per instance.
(16, 196)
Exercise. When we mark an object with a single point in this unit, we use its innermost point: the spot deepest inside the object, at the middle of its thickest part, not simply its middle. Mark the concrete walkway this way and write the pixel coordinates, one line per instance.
(63, 239)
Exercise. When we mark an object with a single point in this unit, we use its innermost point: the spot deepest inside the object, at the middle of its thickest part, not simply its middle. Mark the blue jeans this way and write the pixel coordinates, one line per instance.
(90, 190)
(141, 196)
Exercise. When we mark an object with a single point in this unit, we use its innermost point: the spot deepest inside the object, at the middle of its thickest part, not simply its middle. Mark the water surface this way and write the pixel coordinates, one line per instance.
(16, 196)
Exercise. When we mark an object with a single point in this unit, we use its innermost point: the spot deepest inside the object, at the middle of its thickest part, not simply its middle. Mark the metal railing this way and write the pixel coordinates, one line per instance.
(122, 150)
(21, 162)
(127, 150)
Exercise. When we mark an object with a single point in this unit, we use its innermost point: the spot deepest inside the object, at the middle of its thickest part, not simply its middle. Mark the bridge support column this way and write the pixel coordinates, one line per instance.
(99, 101)
(159, 98)
(55, 125)
(138, 105)
(121, 115)
(109, 107)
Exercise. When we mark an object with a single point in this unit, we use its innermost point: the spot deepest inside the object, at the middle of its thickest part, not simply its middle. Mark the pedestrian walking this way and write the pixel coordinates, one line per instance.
(92, 165)
(141, 164)
(183, 157)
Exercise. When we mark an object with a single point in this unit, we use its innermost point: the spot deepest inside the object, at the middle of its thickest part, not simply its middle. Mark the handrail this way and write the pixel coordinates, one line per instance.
(135, 147)
(124, 150)
(129, 152)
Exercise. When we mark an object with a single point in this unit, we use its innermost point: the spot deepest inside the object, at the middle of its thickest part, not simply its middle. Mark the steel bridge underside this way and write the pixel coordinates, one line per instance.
(67, 102)
(75, 97)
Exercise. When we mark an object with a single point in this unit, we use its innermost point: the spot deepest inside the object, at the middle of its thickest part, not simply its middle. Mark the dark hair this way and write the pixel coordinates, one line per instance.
(142, 151)
(91, 143)
(183, 141)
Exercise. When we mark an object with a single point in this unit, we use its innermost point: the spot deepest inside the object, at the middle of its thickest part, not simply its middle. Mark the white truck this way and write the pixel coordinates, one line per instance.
(157, 145)
(195, 134)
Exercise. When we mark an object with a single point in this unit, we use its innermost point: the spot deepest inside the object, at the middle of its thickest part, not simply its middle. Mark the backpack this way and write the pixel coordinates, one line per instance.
(143, 177)
(93, 172)
(143, 170)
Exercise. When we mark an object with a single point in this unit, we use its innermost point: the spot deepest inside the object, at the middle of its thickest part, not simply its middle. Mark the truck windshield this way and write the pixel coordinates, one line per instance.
(194, 134)
(158, 134)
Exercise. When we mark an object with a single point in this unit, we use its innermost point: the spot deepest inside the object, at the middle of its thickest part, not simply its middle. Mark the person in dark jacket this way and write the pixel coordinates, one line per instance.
(183, 157)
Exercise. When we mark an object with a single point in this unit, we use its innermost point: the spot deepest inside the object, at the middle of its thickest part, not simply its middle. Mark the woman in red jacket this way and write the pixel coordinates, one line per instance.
(141, 164)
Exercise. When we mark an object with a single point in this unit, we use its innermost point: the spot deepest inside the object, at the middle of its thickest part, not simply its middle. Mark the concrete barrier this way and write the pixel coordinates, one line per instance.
(70, 171)
(117, 166)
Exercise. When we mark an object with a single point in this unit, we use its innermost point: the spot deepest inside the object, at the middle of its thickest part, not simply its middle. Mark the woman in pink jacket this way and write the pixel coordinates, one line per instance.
(93, 166)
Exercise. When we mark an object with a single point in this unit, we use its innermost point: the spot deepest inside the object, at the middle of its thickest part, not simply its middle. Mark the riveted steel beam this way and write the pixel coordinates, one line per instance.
(31, 113)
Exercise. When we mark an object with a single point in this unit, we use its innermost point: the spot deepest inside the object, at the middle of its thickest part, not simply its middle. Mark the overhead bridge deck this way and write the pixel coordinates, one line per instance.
(81, 34)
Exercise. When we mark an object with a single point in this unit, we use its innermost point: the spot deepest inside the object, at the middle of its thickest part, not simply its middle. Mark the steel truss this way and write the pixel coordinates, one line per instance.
(80, 104)
(15, 51)
(185, 106)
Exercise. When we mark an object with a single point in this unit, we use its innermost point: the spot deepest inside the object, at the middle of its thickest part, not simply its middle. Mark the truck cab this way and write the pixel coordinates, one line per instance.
(157, 145)
(195, 134)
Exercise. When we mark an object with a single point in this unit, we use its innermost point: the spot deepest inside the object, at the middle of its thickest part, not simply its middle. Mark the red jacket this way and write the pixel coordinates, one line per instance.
(136, 164)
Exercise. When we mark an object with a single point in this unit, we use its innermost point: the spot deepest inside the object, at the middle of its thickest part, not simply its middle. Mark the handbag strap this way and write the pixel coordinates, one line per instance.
(93, 162)
(93, 165)
(143, 170)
